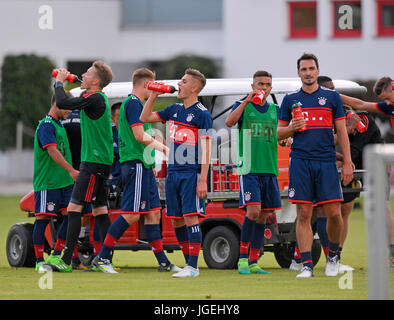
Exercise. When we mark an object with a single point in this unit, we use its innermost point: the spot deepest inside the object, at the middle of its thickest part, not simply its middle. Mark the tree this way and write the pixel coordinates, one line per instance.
(25, 95)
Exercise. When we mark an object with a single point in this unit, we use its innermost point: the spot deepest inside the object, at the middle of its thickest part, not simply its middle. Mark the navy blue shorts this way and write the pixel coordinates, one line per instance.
(261, 189)
(140, 194)
(181, 196)
(51, 202)
(315, 182)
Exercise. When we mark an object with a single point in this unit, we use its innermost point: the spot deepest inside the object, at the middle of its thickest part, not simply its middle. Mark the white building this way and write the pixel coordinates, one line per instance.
(246, 35)
(273, 34)
(353, 39)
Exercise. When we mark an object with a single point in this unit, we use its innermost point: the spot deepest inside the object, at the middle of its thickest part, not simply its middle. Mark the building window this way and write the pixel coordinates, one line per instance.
(385, 10)
(347, 19)
(137, 13)
(303, 19)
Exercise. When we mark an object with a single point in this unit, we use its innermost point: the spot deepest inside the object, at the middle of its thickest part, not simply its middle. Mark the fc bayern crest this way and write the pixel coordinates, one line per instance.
(291, 192)
(248, 196)
(190, 117)
(51, 206)
(322, 101)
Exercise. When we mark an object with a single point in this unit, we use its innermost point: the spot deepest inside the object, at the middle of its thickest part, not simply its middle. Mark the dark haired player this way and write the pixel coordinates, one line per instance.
(313, 174)
(53, 177)
(257, 169)
(383, 88)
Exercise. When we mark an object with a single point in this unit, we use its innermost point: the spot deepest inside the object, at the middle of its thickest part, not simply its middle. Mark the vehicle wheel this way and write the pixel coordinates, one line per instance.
(316, 251)
(19, 245)
(284, 254)
(221, 248)
(85, 253)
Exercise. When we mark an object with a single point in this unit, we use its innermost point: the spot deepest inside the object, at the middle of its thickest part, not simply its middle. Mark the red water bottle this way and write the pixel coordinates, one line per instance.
(160, 87)
(297, 113)
(360, 127)
(70, 77)
(258, 98)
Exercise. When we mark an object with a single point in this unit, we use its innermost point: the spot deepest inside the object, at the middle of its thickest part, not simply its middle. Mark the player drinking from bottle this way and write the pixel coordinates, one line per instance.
(96, 153)
(257, 169)
(186, 182)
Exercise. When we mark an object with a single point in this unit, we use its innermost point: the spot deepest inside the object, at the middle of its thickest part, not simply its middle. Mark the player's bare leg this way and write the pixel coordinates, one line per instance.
(334, 231)
(305, 238)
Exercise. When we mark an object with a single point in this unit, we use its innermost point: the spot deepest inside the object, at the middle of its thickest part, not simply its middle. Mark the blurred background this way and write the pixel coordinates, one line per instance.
(354, 40)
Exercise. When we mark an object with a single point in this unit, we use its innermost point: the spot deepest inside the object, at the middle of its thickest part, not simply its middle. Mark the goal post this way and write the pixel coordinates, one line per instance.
(377, 157)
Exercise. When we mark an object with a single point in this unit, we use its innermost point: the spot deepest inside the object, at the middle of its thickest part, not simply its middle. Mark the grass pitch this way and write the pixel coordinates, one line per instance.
(139, 279)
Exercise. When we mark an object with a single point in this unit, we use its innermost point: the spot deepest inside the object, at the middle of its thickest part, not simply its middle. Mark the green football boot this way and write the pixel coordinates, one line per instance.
(255, 268)
(59, 265)
(53, 258)
(39, 264)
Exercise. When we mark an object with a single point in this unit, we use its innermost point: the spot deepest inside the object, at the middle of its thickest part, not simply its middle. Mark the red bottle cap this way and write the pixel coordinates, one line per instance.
(258, 98)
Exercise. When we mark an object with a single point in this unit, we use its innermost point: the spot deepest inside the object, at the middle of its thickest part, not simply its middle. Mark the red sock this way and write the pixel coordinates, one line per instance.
(254, 255)
(96, 247)
(297, 254)
(39, 251)
(60, 243)
(244, 249)
(185, 249)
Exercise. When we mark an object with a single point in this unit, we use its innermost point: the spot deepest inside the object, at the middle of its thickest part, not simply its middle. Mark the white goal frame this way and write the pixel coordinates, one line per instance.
(376, 159)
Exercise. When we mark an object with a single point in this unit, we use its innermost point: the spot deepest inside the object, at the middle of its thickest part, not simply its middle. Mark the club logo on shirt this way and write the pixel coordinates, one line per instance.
(143, 205)
(190, 117)
(291, 192)
(248, 196)
(322, 100)
(50, 206)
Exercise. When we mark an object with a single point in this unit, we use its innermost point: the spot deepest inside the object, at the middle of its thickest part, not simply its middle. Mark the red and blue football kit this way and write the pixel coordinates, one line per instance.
(313, 174)
(387, 109)
(186, 127)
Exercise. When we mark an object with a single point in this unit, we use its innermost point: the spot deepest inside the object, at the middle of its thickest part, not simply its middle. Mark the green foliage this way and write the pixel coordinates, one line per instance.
(25, 95)
(175, 67)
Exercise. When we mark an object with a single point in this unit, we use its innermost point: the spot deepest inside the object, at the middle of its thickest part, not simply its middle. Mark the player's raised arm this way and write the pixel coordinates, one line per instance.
(141, 136)
(359, 104)
(147, 115)
(236, 113)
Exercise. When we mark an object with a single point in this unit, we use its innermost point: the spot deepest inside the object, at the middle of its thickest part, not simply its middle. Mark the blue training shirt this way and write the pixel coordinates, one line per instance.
(320, 108)
(387, 109)
(186, 127)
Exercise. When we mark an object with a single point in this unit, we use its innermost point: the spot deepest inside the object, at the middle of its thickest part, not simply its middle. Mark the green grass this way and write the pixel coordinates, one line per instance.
(138, 278)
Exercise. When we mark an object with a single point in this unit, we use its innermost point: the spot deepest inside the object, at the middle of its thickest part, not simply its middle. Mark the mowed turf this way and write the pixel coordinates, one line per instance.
(139, 279)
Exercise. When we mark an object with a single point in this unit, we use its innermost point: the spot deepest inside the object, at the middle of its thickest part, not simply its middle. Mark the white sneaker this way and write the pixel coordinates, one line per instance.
(344, 268)
(306, 272)
(295, 266)
(187, 271)
(332, 266)
(174, 268)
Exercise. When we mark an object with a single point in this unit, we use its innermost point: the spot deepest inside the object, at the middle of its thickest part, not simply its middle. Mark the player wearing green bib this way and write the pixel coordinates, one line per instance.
(140, 193)
(53, 176)
(96, 153)
(257, 168)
